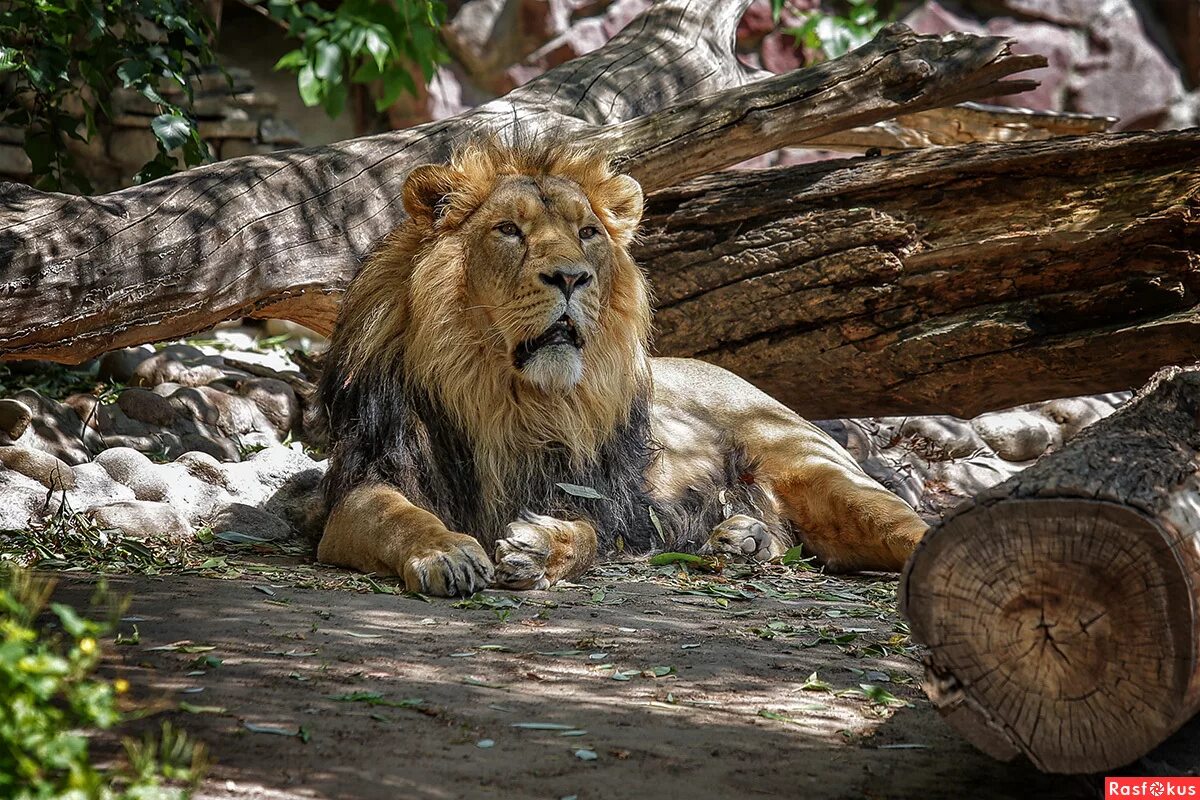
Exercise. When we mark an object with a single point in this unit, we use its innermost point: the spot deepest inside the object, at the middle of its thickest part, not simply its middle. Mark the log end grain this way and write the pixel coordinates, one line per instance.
(1059, 628)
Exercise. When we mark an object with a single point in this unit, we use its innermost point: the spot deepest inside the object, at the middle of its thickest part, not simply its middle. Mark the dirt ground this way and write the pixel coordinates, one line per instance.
(638, 682)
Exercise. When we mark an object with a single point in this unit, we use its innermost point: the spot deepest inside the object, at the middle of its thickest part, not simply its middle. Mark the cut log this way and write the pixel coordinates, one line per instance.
(280, 235)
(951, 280)
(1061, 609)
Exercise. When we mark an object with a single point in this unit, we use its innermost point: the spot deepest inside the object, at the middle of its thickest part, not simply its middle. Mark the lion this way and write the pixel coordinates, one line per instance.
(496, 418)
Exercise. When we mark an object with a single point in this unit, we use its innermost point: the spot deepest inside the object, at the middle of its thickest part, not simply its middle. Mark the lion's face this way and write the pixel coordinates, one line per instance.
(539, 273)
(510, 295)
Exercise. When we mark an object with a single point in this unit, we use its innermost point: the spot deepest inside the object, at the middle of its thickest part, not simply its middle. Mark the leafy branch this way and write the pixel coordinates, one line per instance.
(360, 41)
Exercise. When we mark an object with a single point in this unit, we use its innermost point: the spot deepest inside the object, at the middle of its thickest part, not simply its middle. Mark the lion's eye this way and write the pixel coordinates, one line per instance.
(589, 232)
(509, 229)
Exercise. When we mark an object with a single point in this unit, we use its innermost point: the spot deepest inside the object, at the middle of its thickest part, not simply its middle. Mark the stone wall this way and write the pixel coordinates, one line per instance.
(234, 117)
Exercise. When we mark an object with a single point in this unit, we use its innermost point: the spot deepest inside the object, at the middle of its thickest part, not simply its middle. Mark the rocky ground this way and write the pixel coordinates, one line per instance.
(182, 473)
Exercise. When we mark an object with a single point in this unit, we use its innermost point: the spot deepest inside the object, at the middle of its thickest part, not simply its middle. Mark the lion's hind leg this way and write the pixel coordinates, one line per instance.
(540, 551)
(845, 518)
(744, 536)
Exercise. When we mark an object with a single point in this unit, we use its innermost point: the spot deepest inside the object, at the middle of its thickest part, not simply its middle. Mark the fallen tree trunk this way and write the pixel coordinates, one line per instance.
(952, 280)
(279, 235)
(1061, 609)
(966, 123)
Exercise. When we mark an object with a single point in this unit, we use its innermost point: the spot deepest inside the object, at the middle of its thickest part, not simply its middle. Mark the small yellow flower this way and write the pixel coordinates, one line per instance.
(87, 645)
(120, 686)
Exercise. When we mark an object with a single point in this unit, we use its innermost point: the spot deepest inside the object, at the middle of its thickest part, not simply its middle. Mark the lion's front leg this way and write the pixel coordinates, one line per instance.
(540, 551)
(377, 529)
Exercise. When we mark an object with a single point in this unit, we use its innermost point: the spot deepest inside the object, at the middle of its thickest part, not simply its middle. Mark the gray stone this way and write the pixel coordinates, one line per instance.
(142, 519)
(57, 429)
(133, 469)
(236, 124)
(14, 162)
(1125, 73)
(237, 148)
(942, 438)
(277, 131)
(146, 406)
(1073, 414)
(203, 467)
(251, 520)
(178, 366)
(95, 487)
(15, 417)
(275, 399)
(119, 365)
(22, 500)
(132, 147)
(1016, 435)
(44, 468)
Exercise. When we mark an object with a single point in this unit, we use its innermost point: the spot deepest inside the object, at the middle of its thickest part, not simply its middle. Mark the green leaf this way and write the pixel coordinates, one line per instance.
(310, 87)
(396, 82)
(10, 59)
(294, 59)
(132, 72)
(581, 491)
(171, 130)
(335, 99)
(664, 559)
(815, 684)
(378, 46)
(328, 64)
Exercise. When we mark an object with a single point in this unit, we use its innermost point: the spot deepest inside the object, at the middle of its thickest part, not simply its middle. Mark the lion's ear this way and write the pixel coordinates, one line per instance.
(622, 197)
(425, 192)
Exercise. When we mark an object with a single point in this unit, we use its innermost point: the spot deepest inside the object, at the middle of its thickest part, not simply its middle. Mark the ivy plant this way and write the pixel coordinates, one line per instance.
(53, 699)
(360, 41)
(833, 35)
(60, 60)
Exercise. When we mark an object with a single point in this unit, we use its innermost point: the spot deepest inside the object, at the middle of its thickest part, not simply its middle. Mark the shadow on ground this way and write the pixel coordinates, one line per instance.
(698, 732)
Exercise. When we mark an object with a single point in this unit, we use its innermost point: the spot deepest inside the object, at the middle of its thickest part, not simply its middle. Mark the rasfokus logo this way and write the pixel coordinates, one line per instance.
(1151, 787)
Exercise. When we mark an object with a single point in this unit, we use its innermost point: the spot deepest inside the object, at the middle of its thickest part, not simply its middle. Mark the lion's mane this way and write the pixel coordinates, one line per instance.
(410, 401)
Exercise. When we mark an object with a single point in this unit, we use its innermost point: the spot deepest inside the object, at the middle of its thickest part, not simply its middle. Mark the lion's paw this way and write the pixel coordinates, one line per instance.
(521, 558)
(455, 565)
(742, 536)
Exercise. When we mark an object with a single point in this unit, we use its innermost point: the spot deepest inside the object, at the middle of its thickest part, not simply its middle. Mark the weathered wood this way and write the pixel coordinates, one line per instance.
(279, 235)
(1060, 608)
(965, 123)
(951, 280)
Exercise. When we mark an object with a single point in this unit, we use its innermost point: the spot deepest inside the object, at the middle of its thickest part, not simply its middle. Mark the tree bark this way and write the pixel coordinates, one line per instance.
(966, 123)
(280, 235)
(951, 280)
(1060, 608)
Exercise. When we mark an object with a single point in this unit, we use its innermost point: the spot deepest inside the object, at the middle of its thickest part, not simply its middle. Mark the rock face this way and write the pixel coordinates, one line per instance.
(191, 441)
(935, 463)
(1109, 57)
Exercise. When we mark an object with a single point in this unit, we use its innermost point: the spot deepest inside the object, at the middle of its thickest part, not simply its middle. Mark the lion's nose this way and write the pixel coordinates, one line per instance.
(567, 279)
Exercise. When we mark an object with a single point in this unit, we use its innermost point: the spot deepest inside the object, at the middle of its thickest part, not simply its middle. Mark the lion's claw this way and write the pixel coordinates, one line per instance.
(456, 566)
(522, 557)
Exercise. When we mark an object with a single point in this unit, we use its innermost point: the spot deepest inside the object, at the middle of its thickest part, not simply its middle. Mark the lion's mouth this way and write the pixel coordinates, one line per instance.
(562, 332)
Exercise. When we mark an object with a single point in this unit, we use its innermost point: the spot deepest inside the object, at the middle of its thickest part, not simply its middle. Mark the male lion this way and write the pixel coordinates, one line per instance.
(490, 359)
